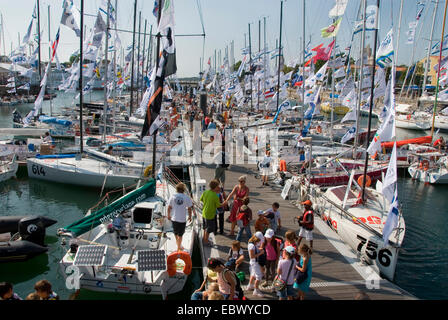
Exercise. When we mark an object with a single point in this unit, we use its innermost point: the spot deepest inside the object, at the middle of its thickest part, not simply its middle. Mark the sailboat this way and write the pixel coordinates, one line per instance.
(129, 246)
(8, 165)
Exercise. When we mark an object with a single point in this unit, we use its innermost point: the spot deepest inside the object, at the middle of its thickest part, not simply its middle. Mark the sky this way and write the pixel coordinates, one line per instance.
(226, 21)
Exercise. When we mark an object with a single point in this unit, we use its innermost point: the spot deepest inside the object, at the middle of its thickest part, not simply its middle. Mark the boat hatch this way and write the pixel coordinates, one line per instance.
(142, 214)
(339, 192)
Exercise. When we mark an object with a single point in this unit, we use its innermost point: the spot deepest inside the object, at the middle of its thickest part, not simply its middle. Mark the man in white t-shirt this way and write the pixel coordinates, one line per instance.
(178, 206)
(274, 216)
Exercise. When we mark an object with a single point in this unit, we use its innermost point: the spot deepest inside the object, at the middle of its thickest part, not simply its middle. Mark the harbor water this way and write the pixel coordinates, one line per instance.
(421, 267)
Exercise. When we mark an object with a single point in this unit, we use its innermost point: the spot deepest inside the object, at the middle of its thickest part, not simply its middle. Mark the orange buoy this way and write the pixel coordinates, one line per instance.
(171, 262)
(361, 181)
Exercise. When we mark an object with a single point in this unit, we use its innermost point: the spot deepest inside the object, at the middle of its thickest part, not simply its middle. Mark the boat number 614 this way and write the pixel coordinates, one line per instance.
(37, 170)
(384, 255)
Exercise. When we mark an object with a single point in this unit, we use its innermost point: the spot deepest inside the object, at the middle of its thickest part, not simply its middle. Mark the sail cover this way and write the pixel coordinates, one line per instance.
(111, 211)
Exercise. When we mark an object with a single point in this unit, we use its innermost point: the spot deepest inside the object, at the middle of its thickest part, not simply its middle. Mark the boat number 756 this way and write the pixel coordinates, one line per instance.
(37, 170)
(384, 255)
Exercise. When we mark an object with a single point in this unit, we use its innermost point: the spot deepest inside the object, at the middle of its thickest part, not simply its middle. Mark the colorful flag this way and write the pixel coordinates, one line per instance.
(351, 133)
(331, 30)
(323, 54)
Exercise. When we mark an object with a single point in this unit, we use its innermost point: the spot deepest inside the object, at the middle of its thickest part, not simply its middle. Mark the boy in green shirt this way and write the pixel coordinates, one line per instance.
(211, 202)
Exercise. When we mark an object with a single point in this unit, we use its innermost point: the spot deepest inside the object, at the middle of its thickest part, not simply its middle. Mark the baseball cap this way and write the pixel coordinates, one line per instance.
(259, 235)
(307, 203)
(269, 233)
(290, 249)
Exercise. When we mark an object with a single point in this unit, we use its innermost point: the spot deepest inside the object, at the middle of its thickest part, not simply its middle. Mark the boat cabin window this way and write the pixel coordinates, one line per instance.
(142, 215)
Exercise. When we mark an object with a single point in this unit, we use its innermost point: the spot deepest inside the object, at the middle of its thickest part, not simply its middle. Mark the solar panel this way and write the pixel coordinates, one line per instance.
(90, 256)
(151, 260)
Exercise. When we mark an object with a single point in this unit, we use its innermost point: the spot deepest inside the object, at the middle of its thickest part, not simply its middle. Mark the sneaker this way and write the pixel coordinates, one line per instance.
(250, 287)
(258, 293)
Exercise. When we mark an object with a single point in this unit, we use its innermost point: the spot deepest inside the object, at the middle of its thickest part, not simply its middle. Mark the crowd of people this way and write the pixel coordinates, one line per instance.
(42, 291)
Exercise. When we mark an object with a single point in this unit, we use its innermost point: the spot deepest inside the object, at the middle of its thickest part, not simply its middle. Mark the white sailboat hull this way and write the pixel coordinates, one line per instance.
(86, 172)
(412, 125)
(439, 176)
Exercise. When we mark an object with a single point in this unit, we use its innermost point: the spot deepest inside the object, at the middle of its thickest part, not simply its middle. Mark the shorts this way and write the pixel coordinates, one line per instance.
(289, 291)
(255, 271)
(265, 171)
(209, 225)
(179, 228)
(307, 234)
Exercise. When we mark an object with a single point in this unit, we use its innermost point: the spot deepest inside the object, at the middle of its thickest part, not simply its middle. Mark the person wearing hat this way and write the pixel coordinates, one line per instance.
(262, 223)
(306, 222)
(286, 271)
(272, 250)
(211, 282)
(256, 274)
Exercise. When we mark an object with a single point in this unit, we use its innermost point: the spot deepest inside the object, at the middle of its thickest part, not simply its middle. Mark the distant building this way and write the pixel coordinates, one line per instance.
(432, 74)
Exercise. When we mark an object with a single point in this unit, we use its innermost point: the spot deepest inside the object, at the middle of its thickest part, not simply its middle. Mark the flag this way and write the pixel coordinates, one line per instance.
(386, 50)
(390, 181)
(12, 91)
(332, 30)
(54, 47)
(413, 25)
(323, 54)
(25, 87)
(155, 11)
(436, 48)
(351, 133)
(339, 73)
(269, 93)
(68, 19)
(392, 218)
(284, 106)
(319, 76)
(338, 9)
(27, 36)
(11, 85)
(371, 25)
(167, 17)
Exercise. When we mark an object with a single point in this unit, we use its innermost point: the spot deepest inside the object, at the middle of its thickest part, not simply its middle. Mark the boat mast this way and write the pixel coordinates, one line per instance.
(106, 70)
(133, 59)
(332, 88)
(38, 39)
(438, 73)
(303, 70)
(154, 141)
(115, 67)
(427, 64)
(279, 54)
(143, 59)
(250, 72)
(361, 77)
(259, 58)
(81, 59)
(49, 61)
(372, 92)
(138, 53)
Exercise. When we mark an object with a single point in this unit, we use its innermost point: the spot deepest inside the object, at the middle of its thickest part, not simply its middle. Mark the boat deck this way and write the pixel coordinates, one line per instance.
(336, 274)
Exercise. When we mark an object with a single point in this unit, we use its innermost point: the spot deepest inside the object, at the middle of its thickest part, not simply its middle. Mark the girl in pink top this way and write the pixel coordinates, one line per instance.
(272, 255)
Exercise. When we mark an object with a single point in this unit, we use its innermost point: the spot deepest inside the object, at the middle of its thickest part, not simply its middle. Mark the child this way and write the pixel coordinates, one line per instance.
(210, 281)
(243, 220)
(220, 213)
(236, 256)
(305, 266)
(274, 216)
(43, 290)
(256, 273)
(262, 223)
(216, 295)
(291, 240)
(32, 296)
(272, 250)
(7, 293)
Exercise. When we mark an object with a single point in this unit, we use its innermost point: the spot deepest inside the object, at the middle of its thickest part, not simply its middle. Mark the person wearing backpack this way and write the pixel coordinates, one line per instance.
(229, 283)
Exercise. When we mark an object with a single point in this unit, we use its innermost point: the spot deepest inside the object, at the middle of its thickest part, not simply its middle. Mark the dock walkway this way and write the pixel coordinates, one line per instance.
(336, 273)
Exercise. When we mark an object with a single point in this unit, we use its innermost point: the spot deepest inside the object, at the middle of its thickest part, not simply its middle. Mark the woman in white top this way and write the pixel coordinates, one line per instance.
(265, 168)
(256, 275)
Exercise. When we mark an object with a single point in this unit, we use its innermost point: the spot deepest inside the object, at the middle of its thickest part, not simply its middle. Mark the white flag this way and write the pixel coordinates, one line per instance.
(338, 9)
(68, 19)
(392, 219)
(390, 181)
(351, 133)
(167, 16)
(385, 52)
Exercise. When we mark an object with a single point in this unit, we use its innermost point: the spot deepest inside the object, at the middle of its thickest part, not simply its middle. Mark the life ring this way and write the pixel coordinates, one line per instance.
(319, 129)
(409, 117)
(425, 165)
(171, 263)
(368, 182)
(147, 171)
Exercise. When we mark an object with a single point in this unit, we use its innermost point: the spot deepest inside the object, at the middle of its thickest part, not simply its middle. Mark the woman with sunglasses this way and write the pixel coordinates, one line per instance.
(239, 192)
